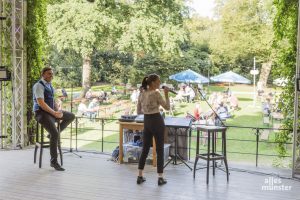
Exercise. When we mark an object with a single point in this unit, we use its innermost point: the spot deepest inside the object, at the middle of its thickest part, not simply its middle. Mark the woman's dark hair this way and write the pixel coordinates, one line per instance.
(148, 80)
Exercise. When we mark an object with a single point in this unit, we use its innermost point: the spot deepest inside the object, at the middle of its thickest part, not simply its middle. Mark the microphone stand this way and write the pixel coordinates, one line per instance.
(223, 125)
(71, 134)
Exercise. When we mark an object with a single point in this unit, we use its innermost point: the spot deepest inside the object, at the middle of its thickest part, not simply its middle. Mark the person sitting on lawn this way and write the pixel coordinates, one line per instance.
(234, 102)
(100, 96)
(260, 89)
(213, 98)
(134, 96)
(93, 108)
(82, 108)
(114, 90)
(222, 111)
(190, 92)
(197, 112)
(267, 107)
(64, 93)
(179, 97)
(220, 98)
(202, 92)
(59, 104)
(105, 99)
(228, 92)
(89, 94)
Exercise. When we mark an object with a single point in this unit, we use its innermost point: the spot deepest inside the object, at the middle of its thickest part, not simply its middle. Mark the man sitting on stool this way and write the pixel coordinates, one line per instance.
(46, 112)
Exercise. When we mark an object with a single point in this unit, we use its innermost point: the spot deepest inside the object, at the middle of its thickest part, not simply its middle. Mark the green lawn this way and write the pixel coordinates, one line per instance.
(90, 133)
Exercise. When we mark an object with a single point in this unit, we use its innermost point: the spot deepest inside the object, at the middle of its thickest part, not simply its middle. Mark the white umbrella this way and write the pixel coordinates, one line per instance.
(230, 77)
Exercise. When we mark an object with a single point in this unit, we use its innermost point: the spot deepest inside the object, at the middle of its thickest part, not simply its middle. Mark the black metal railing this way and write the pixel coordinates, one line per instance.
(103, 137)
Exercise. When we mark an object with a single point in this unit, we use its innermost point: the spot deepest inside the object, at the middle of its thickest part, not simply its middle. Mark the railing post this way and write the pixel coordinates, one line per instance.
(71, 137)
(102, 132)
(190, 139)
(76, 132)
(257, 140)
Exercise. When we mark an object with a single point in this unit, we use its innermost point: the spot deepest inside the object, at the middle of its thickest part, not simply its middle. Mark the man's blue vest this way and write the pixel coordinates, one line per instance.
(48, 97)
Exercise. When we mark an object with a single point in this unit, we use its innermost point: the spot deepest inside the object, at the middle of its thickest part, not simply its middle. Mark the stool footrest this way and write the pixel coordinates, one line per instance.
(42, 146)
(212, 156)
(43, 142)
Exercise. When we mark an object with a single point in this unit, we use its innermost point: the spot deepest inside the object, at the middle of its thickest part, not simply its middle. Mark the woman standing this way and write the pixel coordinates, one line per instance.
(148, 103)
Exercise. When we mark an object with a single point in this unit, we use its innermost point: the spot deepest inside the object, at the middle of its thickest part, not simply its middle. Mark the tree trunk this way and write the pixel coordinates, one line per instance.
(264, 73)
(86, 75)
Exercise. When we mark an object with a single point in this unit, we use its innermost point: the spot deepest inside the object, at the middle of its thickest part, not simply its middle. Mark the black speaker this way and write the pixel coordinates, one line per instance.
(4, 74)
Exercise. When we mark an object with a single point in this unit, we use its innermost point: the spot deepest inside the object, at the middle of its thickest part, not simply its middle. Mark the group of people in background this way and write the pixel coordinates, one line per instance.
(227, 98)
(222, 103)
(185, 93)
(89, 111)
(90, 104)
(270, 104)
(135, 96)
(101, 95)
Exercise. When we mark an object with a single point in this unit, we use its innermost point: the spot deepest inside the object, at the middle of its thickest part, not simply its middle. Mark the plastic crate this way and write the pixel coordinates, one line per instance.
(166, 154)
(131, 153)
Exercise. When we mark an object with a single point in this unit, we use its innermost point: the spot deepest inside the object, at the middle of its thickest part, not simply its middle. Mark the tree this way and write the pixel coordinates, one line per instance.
(200, 30)
(197, 52)
(154, 27)
(81, 26)
(67, 67)
(245, 31)
(134, 27)
(112, 66)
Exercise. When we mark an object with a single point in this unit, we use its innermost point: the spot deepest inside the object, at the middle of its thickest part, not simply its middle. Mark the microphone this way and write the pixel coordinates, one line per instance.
(172, 91)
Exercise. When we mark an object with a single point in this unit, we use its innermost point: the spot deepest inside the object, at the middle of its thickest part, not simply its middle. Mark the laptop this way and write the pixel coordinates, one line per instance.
(139, 119)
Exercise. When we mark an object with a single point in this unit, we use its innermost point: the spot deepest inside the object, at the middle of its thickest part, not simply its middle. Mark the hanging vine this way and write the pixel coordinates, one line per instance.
(285, 27)
(36, 40)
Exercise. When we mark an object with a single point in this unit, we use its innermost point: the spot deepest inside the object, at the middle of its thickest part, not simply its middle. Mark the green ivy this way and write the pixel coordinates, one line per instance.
(36, 40)
(285, 27)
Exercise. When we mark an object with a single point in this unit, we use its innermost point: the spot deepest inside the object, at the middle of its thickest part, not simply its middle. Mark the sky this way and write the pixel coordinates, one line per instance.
(203, 8)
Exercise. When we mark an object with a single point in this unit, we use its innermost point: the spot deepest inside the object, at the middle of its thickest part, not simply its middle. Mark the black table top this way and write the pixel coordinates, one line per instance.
(174, 122)
(178, 122)
(211, 128)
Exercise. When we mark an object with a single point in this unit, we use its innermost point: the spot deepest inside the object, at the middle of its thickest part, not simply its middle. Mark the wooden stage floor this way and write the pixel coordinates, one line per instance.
(94, 177)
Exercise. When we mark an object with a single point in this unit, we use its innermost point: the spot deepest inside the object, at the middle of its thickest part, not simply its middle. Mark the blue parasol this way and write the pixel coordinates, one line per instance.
(189, 76)
(230, 77)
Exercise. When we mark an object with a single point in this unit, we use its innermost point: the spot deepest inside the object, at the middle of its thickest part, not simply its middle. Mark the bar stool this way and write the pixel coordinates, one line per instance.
(211, 154)
(40, 143)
